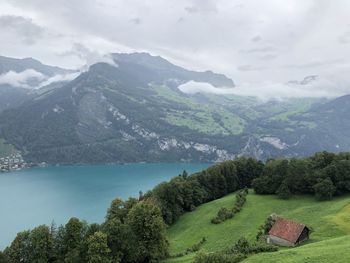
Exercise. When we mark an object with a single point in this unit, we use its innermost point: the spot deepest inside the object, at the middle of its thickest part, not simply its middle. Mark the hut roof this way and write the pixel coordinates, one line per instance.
(287, 230)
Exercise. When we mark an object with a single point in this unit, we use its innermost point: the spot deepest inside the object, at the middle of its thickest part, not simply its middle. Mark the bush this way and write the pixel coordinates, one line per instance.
(265, 228)
(224, 213)
(241, 250)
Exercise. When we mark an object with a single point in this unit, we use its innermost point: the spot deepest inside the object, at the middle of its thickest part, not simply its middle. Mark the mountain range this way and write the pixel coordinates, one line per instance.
(132, 110)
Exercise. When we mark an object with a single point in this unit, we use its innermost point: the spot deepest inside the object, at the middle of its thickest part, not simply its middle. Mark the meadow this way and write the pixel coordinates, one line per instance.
(328, 220)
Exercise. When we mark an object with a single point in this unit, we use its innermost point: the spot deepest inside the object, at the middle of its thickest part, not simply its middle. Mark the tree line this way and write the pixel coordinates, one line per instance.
(184, 193)
(323, 175)
(134, 231)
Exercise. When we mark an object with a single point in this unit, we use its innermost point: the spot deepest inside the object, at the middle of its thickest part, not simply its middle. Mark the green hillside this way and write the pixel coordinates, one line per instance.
(332, 250)
(328, 220)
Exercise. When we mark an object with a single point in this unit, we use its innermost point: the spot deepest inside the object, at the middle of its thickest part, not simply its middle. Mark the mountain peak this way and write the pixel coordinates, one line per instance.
(164, 70)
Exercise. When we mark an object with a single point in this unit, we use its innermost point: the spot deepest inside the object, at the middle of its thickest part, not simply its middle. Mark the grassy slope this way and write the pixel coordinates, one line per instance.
(332, 250)
(200, 117)
(328, 219)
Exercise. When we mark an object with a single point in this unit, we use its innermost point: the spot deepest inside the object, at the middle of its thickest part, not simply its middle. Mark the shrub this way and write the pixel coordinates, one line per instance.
(224, 213)
(265, 228)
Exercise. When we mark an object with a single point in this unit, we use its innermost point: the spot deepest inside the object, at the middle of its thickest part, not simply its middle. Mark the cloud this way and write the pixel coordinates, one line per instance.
(135, 21)
(318, 88)
(256, 39)
(28, 31)
(202, 6)
(260, 50)
(344, 38)
(193, 87)
(32, 79)
(317, 63)
(90, 56)
(221, 35)
(250, 68)
(268, 56)
(21, 79)
(59, 78)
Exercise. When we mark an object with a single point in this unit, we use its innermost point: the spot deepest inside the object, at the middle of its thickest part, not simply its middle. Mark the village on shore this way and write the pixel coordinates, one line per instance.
(13, 162)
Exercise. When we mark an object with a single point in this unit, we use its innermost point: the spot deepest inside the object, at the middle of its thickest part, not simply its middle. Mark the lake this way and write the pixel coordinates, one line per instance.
(40, 195)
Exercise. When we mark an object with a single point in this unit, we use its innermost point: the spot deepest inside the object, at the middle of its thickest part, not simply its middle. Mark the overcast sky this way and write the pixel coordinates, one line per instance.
(259, 44)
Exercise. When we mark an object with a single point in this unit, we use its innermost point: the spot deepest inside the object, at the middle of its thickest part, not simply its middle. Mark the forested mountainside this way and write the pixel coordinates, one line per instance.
(133, 110)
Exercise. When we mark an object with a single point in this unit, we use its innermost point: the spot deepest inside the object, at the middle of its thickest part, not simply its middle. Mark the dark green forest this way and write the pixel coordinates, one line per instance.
(135, 230)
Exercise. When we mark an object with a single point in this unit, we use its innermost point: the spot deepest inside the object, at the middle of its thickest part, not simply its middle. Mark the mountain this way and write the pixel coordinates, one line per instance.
(113, 113)
(18, 65)
(132, 110)
(18, 78)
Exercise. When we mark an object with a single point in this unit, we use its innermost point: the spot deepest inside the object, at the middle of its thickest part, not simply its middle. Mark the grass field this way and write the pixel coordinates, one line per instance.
(331, 250)
(328, 220)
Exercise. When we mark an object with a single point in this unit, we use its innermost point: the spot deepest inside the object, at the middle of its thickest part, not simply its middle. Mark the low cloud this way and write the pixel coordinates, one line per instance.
(319, 88)
(32, 79)
(21, 79)
(90, 56)
(59, 78)
(193, 87)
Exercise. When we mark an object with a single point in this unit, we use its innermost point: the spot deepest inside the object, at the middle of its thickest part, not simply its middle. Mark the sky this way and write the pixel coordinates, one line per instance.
(261, 45)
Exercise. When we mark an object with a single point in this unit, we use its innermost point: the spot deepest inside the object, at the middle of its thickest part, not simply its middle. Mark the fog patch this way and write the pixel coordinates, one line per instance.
(90, 57)
(21, 79)
(193, 87)
(318, 88)
(59, 78)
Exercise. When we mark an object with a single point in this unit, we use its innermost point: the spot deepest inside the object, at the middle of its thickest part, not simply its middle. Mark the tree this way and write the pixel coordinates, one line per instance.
(90, 230)
(98, 251)
(119, 208)
(59, 247)
(40, 244)
(324, 189)
(3, 258)
(146, 221)
(283, 191)
(19, 249)
(121, 240)
(73, 240)
(262, 185)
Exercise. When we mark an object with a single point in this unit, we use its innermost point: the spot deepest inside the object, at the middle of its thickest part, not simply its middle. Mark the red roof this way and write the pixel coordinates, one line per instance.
(287, 229)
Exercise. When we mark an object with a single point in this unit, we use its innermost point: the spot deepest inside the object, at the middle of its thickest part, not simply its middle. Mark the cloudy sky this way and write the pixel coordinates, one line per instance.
(261, 45)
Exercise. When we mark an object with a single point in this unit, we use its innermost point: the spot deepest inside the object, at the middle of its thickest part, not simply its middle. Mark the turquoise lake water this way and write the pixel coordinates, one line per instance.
(40, 195)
